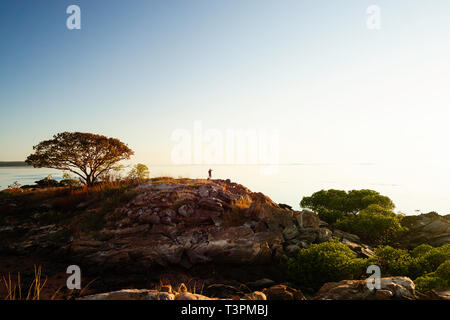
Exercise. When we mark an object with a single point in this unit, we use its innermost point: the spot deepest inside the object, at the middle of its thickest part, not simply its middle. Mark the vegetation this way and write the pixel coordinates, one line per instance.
(85, 154)
(374, 225)
(332, 205)
(68, 206)
(365, 213)
(139, 172)
(440, 279)
(325, 262)
(415, 263)
(13, 287)
(14, 185)
(330, 261)
(13, 164)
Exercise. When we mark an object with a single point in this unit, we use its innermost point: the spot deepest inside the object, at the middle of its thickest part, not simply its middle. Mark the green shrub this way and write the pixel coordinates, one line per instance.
(421, 250)
(375, 225)
(399, 262)
(392, 261)
(325, 262)
(440, 279)
(428, 260)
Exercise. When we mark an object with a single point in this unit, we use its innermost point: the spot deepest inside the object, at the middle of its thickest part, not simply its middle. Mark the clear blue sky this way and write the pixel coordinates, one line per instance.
(137, 70)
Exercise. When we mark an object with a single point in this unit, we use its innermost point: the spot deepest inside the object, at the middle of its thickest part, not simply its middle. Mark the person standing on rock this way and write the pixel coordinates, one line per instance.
(209, 174)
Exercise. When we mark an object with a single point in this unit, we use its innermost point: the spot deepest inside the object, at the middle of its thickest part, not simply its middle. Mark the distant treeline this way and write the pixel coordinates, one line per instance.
(13, 164)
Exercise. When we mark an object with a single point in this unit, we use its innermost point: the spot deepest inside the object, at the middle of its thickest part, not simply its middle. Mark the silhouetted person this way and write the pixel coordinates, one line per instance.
(209, 174)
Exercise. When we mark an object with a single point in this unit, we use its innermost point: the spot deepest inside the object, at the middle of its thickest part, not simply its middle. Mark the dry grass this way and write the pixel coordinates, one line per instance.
(239, 213)
(243, 203)
(15, 290)
(190, 285)
(14, 287)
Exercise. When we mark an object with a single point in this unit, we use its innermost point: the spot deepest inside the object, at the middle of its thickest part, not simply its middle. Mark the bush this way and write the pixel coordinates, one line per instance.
(325, 262)
(392, 261)
(421, 250)
(399, 262)
(428, 259)
(440, 279)
(375, 225)
(72, 183)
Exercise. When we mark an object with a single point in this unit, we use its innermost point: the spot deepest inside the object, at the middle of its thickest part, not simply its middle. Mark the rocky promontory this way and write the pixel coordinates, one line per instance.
(209, 231)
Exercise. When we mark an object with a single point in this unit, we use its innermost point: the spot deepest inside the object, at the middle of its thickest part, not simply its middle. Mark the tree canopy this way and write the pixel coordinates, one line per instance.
(87, 155)
(139, 172)
(365, 213)
(332, 205)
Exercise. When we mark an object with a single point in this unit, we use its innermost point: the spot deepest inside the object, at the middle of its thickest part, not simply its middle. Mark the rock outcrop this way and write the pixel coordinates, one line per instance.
(391, 288)
(198, 228)
(193, 222)
(429, 228)
(184, 223)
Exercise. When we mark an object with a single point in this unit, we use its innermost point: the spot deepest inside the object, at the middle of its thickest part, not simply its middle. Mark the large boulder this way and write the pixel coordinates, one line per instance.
(430, 228)
(131, 294)
(391, 288)
(283, 292)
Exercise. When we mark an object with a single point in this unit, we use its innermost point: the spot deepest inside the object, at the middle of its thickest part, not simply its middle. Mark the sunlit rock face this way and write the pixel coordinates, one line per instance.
(429, 228)
(183, 223)
(390, 288)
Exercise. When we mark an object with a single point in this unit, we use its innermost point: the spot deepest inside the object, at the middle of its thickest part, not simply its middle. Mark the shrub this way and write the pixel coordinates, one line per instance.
(421, 250)
(392, 261)
(428, 259)
(325, 262)
(375, 225)
(72, 183)
(399, 262)
(440, 279)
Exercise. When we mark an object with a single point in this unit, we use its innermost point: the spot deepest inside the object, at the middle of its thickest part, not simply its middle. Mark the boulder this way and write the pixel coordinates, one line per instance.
(290, 232)
(283, 292)
(191, 296)
(261, 283)
(391, 288)
(307, 219)
(131, 294)
(256, 295)
(430, 228)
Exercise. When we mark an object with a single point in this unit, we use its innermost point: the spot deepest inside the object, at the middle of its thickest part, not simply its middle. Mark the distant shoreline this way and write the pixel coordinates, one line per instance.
(13, 164)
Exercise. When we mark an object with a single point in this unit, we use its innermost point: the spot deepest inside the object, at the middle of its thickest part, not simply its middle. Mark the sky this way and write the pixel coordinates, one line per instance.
(334, 90)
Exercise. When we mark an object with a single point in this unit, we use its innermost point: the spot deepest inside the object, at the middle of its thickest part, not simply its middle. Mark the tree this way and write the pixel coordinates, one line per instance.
(332, 205)
(87, 155)
(139, 172)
